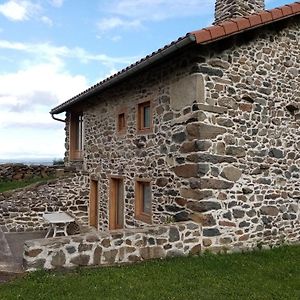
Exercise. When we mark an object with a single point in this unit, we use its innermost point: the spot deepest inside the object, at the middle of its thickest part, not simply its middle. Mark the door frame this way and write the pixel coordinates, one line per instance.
(112, 222)
(94, 199)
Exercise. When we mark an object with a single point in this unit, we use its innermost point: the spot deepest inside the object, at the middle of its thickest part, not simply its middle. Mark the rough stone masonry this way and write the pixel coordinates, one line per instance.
(224, 150)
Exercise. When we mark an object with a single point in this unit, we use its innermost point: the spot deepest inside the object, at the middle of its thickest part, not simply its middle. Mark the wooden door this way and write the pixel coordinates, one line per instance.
(116, 204)
(93, 207)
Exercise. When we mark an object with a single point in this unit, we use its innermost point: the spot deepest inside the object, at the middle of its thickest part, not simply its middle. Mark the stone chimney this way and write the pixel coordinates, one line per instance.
(228, 9)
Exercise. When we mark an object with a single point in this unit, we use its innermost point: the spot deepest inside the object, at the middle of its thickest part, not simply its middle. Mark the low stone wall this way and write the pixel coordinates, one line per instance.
(115, 247)
(11, 172)
(22, 210)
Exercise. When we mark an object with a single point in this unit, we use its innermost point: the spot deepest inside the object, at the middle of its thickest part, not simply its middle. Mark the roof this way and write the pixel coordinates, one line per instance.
(204, 36)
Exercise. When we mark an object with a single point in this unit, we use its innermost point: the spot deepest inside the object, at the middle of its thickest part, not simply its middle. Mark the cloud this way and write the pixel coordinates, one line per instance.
(56, 3)
(137, 12)
(47, 21)
(54, 54)
(107, 24)
(15, 10)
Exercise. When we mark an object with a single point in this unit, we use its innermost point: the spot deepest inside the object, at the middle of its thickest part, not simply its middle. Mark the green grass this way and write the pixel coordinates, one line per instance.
(12, 185)
(273, 274)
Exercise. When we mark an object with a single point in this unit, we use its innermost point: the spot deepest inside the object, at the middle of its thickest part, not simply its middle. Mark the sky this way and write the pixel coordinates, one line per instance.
(51, 50)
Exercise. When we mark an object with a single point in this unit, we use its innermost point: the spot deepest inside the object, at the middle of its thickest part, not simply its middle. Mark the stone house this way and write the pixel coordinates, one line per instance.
(204, 129)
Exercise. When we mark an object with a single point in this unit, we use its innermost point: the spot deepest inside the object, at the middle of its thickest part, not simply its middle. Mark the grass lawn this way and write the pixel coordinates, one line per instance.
(12, 185)
(271, 274)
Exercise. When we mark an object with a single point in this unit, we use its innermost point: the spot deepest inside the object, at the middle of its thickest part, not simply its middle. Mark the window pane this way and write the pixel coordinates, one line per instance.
(79, 133)
(146, 198)
(119, 203)
(146, 117)
(121, 122)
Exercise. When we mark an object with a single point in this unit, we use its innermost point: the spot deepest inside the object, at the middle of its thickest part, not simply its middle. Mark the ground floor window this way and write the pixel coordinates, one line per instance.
(143, 200)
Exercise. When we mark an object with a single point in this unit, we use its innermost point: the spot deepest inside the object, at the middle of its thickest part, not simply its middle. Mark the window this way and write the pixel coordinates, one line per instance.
(144, 117)
(76, 136)
(143, 202)
(121, 123)
(116, 207)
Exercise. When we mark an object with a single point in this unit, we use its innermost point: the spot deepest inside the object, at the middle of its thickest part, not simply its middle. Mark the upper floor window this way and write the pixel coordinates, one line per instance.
(76, 136)
(121, 125)
(144, 117)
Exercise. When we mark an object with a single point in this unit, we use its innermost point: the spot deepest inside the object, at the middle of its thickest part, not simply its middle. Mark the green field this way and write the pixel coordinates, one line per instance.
(12, 185)
(273, 274)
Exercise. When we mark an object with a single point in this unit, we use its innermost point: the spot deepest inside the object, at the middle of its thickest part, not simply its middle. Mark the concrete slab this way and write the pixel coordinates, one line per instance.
(11, 249)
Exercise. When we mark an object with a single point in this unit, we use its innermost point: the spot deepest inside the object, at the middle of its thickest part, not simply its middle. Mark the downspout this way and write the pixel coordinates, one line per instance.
(57, 119)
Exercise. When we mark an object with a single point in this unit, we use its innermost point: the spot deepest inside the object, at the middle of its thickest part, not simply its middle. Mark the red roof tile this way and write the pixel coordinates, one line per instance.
(238, 25)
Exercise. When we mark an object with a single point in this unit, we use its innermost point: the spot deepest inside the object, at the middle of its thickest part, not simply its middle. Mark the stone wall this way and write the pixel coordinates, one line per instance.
(22, 210)
(11, 172)
(224, 150)
(115, 247)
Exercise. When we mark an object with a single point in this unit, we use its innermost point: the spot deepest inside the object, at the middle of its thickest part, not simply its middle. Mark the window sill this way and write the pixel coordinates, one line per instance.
(144, 218)
(144, 131)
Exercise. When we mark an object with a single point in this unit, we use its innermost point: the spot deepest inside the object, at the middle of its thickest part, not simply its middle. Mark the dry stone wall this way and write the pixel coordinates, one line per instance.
(115, 247)
(22, 210)
(12, 172)
(228, 158)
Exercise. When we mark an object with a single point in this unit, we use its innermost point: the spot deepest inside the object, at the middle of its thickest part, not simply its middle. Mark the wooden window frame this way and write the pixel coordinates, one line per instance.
(121, 131)
(94, 195)
(140, 117)
(113, 225)
(75, 154)
(139, 212)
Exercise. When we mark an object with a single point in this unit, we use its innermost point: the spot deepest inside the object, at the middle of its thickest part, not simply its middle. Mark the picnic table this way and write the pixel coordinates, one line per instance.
(58, 222)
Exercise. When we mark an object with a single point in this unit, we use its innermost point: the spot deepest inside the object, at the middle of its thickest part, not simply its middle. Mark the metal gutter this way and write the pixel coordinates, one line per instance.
(156, 56)
(57, 119)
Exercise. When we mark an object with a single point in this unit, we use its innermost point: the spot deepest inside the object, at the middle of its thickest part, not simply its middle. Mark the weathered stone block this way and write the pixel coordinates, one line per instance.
(202, 131)
(187, 90)
(277, 153)
(231, 173)
(80, 260)
(152, 252)
(33, 252)
(195, 146)
(215, 159)
(162, 181)
(196, 249)
(211, 232)
(110, 256)
(173, 234)
(195, 194)
(97, 256)
(211, 183)
(182, 216)
(235, 151)
(206, 220)
(58, 259)
(186, 171)
(269, 210)
(203, 206)
(191, 170)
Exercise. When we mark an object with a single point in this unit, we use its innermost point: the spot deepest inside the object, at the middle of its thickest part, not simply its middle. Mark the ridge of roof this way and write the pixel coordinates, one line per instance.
(203, 36)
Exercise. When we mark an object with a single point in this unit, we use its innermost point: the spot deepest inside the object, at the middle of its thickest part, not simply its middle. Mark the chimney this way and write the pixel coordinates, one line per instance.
(228, 9)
